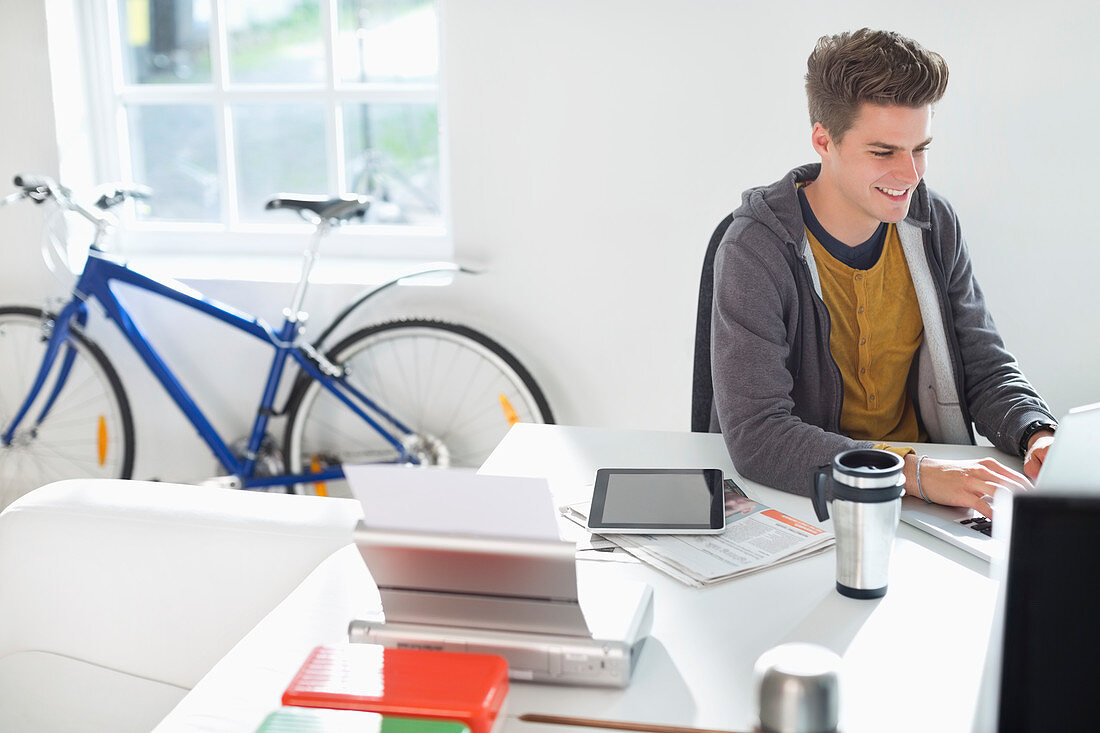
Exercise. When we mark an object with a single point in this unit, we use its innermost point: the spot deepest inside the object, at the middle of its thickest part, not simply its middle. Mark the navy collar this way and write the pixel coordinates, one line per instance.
(862, 256)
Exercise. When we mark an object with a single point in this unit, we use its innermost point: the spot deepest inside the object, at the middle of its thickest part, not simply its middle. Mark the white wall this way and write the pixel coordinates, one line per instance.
(596, 143)
(26, 143)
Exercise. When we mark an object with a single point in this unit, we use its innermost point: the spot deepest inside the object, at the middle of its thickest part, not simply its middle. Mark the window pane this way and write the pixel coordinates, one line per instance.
(280, 149)
(173, 149)
(165, 41)
(275, 41)
(392, 154)
(387, 41)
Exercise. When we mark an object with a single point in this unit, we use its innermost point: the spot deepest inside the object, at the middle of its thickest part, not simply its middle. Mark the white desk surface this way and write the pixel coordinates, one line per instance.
(912, 660)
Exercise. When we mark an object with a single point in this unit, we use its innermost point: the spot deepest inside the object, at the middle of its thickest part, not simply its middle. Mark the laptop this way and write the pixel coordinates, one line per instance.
(1071, 465)
(455, 574)
(1040, 672)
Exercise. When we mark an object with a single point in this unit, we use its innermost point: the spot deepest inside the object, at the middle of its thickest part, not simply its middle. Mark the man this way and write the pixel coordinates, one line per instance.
(846, 313)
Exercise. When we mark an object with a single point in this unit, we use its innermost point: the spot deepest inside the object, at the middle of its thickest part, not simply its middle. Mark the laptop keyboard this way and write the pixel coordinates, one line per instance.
(979, 524)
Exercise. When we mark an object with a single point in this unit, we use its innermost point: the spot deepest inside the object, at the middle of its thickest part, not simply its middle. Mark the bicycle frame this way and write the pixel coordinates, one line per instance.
(95, 282)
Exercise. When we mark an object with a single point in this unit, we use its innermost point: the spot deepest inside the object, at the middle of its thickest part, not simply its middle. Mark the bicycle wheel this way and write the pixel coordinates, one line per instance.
(88, 431)
(454, 387)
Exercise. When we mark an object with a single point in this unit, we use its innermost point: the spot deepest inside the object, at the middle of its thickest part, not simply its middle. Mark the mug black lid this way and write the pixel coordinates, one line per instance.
(868, 462)
(873, 475)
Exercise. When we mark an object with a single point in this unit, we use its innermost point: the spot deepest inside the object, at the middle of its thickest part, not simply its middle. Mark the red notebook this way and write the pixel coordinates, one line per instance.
(416, 683)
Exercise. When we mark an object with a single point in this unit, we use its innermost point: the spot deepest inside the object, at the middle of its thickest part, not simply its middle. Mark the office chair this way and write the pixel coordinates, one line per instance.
(702, 389)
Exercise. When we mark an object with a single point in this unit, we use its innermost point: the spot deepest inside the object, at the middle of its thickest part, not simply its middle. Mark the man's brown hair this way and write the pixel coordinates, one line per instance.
(880, 67)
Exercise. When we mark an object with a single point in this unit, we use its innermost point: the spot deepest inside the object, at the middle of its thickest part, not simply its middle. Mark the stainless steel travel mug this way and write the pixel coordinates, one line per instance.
(866, 486)
(798, 689)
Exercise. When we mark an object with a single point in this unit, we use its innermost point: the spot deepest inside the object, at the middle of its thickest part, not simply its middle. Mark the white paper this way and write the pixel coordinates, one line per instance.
(756, 538)
(453, 501)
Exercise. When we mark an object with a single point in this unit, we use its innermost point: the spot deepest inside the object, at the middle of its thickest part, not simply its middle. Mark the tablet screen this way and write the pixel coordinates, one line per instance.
(654, 499)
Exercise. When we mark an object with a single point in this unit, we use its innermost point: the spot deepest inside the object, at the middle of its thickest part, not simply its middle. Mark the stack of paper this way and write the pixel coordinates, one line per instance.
(756, 538)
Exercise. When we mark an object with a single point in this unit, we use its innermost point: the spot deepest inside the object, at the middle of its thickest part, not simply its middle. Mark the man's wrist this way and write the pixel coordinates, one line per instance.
(1036, 436)
(1033, 431)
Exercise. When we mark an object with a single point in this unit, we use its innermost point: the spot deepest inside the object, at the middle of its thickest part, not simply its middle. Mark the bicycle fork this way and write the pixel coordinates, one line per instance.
(59, 331)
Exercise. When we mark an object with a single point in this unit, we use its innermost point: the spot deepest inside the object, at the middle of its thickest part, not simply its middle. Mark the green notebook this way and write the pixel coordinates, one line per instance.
(321, 720)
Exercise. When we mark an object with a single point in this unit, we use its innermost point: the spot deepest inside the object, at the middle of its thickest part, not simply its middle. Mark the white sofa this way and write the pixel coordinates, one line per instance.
(116, 597)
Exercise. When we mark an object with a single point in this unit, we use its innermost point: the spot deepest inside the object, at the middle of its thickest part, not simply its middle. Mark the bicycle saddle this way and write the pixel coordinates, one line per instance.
(330, 208)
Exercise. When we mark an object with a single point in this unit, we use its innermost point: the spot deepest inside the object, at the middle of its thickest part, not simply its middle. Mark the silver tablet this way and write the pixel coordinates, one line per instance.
(657, 501)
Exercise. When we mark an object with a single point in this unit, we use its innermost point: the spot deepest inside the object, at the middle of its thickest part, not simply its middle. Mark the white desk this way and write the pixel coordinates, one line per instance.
(912, 660)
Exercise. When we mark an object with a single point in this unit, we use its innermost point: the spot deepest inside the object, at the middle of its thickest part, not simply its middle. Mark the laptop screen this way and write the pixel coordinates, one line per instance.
(1051, 649)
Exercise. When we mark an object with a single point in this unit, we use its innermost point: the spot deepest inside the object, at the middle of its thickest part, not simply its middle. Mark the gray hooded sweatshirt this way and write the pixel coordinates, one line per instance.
(778, 392)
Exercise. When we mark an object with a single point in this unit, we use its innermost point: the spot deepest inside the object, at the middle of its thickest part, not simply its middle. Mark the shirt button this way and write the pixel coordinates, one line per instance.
(859, 277)
(860, 309)
(862, 371)
(872, 398)
(862, 342)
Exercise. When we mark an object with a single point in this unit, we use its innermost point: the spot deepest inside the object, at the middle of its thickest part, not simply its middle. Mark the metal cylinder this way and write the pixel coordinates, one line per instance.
(864, 537)
(798, 689)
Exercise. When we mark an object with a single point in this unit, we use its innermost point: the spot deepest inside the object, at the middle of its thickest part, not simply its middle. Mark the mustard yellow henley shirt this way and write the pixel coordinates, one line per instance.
(876, 331)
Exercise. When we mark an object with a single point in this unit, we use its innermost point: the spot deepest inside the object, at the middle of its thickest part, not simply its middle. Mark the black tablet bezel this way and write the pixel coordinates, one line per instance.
(712, 476)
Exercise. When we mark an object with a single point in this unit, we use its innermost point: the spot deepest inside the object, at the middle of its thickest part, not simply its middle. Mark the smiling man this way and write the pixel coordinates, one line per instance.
(846, 313)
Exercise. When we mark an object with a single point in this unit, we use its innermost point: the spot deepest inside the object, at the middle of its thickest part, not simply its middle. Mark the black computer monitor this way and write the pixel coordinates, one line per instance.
(1050, 658)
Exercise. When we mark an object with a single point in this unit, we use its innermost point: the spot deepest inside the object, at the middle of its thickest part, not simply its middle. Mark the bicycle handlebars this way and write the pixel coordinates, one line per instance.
(38, 188)
(118, 193)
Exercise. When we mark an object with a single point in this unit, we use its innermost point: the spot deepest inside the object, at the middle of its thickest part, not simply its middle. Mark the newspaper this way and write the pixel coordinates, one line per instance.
(756, 538)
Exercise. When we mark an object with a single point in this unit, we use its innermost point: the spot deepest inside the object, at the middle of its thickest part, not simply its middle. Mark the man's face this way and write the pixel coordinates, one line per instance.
(873, 170)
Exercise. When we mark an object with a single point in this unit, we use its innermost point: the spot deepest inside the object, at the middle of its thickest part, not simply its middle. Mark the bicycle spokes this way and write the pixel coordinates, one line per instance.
(66, 414)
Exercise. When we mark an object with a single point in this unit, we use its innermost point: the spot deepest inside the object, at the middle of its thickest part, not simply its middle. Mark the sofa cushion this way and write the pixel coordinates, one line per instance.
(156, 580)
(49, 693)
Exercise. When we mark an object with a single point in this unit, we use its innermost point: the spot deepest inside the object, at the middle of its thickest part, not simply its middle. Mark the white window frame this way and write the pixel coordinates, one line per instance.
(230, 240)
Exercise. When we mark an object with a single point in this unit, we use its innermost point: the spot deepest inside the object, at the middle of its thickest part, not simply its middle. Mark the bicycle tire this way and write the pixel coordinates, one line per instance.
(89, 430)
(442, 379)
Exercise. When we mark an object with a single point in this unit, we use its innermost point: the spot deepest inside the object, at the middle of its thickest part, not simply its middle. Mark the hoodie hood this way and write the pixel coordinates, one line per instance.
(776, 207)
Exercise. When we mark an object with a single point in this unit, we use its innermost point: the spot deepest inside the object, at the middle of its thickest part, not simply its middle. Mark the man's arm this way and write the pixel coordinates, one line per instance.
(755, 298)
(960, 483)
(968, 483)
(1001, 401)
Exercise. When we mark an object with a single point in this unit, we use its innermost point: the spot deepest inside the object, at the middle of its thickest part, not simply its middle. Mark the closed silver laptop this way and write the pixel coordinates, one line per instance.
(514, 597)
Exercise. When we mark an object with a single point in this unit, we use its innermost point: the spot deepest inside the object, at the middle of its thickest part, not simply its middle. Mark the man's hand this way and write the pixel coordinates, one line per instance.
(1037, 448)
(962, 483)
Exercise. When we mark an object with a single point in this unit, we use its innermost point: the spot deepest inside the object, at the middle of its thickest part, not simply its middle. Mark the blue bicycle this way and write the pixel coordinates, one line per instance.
(409, 391)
